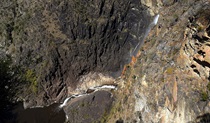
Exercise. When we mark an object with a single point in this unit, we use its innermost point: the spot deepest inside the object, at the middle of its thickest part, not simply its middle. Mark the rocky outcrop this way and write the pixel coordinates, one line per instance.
(196, 49)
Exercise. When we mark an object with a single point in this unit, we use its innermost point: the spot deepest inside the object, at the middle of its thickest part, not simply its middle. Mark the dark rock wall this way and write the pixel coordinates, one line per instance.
(59, 41)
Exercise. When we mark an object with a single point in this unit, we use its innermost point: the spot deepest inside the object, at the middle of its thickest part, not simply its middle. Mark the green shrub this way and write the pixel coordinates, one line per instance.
(30, 77)
(204, 96)
(208, 86)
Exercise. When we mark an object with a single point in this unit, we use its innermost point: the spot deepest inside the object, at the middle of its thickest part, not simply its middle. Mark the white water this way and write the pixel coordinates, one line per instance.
(97, 88)
(103, 87)
(65, 101)
(141, 41)
(69, 98)
(156, 19)
(67, 118)
(92, 88)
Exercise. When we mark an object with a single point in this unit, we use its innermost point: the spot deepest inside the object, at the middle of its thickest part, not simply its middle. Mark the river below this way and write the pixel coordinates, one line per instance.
(49, 114)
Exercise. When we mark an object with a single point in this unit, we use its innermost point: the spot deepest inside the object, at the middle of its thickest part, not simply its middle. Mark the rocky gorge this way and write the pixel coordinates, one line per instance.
(155, 71)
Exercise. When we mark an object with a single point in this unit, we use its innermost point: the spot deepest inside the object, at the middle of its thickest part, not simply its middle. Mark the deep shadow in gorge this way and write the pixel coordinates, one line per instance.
(11, 111)
(8, 83)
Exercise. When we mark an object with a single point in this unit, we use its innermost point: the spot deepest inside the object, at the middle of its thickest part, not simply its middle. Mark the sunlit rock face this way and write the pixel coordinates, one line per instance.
(170, 81)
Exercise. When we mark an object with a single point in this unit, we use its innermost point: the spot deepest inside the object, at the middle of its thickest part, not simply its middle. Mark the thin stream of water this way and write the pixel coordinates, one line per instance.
(50, 114)
(55, 113)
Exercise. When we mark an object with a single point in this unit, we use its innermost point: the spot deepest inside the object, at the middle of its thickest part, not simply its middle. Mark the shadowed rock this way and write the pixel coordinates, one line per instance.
(91, 108)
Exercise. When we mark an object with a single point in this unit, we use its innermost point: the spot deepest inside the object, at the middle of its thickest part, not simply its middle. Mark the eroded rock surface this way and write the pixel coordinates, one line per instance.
(57, 42)
(169, 82)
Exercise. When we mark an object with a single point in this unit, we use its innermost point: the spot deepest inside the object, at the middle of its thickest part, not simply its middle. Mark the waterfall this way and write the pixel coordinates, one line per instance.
(97, 88)
(141, 41)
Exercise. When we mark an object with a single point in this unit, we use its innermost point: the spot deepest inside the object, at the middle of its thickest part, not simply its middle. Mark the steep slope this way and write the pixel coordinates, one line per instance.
(170, 81)
(58, 42)
(68, 47)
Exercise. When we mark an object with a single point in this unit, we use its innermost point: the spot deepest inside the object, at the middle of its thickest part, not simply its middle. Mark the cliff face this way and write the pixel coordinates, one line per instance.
(170, 81)
(66, 47)
(57, 42)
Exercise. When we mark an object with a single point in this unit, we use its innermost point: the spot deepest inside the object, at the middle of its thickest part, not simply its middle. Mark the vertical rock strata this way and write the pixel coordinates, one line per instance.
(57, 42)
(66, 47)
